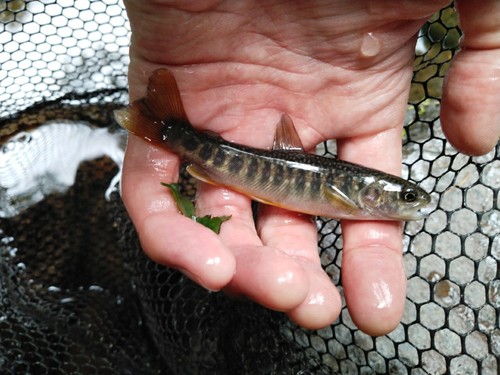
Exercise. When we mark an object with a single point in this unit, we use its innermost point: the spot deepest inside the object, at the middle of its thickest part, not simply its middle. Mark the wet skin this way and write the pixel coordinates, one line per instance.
(341, 69)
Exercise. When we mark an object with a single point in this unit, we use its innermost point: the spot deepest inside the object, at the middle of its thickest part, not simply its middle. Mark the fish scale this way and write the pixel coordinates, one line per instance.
(284, 176)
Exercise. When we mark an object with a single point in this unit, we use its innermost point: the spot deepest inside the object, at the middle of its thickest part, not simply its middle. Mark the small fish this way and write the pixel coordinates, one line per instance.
(284, 176)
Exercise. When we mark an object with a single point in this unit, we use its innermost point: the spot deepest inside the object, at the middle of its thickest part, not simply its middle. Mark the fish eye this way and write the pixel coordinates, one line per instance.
(409, 195)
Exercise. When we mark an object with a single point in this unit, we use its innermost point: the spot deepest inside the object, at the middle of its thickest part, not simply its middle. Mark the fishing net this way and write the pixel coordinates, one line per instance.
(77, 295)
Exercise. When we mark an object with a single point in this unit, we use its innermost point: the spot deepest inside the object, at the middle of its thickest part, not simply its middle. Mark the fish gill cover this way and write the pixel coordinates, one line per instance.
(77, 295)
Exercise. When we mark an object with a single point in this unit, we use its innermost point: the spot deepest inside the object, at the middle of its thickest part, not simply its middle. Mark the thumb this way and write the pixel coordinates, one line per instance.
(470, 109)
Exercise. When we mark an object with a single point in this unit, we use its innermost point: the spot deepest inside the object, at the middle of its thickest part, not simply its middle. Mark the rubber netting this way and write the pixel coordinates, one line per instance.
(77, 296)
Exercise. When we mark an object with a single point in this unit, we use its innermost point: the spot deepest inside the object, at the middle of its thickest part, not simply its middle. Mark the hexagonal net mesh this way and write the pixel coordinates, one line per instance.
(77, 295)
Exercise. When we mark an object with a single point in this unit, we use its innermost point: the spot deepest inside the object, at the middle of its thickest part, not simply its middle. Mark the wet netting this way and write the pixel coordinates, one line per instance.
(77, 296)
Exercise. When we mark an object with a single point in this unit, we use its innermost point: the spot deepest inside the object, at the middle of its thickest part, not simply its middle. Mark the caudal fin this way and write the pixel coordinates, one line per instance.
(162, 104)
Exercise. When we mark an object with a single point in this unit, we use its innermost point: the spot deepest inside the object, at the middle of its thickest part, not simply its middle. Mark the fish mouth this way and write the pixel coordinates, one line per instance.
(421, 213)
(420, 210)
(425, 211)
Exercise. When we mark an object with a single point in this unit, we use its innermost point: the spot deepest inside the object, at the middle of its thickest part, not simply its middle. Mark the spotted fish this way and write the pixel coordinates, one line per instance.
(284, 176)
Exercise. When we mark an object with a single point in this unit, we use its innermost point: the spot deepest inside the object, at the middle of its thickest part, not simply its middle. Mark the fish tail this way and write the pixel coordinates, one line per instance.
(149, 117)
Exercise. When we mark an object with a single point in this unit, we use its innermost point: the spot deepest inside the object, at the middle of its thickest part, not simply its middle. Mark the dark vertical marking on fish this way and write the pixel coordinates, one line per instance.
(300, 179)
(278, 174)
(206, 151)
(220, 157)
(235, 164)
(345, 182)
(265, 173)
(185, 137)
(315, 184)
(252, 169)
(190, 144)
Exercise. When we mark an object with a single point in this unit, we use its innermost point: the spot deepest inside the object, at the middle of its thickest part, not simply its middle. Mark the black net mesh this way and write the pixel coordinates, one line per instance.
(78, 296)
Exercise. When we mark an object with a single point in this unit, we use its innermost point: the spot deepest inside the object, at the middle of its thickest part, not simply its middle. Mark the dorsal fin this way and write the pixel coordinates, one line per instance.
(286, 136)
(163, 98)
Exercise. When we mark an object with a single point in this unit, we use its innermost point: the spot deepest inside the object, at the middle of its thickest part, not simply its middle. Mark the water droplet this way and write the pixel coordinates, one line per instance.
(434, 277)
(446, 293)
(443, 289)
(370, 45)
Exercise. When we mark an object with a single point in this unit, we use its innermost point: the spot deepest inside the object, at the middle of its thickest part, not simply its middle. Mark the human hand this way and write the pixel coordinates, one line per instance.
(340, 69)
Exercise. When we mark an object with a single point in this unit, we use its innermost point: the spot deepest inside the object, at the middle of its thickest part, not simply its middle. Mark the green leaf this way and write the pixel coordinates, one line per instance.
(186, 207)
(183, 204)
(213, 223)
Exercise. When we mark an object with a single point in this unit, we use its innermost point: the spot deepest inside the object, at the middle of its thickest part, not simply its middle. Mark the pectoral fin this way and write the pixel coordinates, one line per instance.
(340, 200)
(286, 136)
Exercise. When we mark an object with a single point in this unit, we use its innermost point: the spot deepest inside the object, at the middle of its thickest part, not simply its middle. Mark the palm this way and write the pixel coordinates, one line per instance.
(240, 65)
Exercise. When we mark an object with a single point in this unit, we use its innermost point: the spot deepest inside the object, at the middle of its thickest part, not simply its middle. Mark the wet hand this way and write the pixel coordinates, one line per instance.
(341, 70)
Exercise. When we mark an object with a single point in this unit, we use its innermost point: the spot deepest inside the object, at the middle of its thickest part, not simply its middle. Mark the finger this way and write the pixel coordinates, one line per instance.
(166, 236)
(269, 277)
(218, 201)
(264, 274)
(296, 235)
(372, 269)
(373, 275)
(292, 232)
(322, 304)
(470, 109)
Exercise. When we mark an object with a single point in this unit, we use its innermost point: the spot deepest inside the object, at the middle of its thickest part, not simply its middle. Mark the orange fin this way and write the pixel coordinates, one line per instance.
(286, 136)
(162, 103)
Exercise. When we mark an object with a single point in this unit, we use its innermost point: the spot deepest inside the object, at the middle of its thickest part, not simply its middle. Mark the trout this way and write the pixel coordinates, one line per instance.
(284, 176)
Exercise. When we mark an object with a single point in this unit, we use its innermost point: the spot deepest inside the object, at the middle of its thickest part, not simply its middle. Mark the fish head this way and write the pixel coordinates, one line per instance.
(395, 199)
